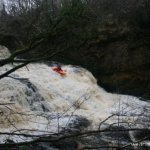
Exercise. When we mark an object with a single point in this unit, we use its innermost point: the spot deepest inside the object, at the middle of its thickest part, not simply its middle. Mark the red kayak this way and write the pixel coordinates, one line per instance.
(59, 70)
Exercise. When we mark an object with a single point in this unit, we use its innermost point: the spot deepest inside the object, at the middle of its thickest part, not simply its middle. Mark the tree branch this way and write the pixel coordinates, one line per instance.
(12, 70)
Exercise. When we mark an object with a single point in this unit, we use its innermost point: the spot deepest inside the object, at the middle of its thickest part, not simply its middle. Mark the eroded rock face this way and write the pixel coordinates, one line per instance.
(37, 100)
(121, 64)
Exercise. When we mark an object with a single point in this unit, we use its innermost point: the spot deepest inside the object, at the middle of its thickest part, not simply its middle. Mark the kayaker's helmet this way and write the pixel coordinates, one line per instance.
(59, 67)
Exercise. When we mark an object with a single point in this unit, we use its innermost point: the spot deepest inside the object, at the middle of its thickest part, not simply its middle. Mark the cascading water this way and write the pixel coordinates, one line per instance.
(41, 101)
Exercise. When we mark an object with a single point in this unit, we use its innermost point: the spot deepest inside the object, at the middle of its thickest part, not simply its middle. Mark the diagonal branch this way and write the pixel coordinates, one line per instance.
(21, 51)
(12, 70)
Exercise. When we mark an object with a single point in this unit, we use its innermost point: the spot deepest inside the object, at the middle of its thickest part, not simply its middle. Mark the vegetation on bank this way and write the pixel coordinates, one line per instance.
(69, 22)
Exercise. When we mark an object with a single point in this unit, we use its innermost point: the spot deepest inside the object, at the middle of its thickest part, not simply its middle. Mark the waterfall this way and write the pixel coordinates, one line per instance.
(39, 101)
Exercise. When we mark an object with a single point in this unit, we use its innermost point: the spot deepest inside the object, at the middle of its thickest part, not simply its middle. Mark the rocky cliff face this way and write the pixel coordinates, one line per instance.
(120, 61)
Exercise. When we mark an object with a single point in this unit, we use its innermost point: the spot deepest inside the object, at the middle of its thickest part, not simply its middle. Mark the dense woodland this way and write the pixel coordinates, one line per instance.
(109, 37)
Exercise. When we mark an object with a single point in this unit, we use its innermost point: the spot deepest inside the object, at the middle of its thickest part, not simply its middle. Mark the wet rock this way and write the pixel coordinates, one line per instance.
(118, 134)
(79, 123)
(68, 144)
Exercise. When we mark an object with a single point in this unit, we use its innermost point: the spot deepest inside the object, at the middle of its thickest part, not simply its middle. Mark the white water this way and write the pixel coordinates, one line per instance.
(40, 96)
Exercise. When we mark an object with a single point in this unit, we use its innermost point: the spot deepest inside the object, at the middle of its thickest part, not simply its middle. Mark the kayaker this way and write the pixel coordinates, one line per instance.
(59, 70)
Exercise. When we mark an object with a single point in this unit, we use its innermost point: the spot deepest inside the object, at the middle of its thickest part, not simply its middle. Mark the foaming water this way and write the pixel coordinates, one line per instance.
(40, 99)
(4, 52)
